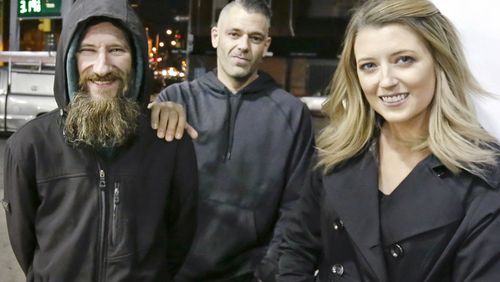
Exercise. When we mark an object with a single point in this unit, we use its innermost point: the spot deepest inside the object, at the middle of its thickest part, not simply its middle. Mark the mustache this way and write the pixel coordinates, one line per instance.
(88, 75)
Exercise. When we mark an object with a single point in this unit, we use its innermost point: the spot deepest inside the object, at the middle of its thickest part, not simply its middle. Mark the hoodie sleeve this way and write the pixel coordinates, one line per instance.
(20, 204)
(297, 169)
(182, 206)
(171, 93)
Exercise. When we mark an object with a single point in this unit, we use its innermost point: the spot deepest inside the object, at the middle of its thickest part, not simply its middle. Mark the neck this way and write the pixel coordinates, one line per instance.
(410, 131)
(236, 84)
(403, 138)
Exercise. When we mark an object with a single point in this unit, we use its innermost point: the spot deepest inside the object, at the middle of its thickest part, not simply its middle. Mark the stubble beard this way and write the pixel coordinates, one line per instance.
(104, 122)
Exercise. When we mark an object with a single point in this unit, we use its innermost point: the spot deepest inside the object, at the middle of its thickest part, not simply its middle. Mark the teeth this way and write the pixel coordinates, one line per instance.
(100, 82)
(394, 99)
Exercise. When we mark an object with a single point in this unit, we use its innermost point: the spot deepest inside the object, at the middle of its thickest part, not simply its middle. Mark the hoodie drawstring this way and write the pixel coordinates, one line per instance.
(233, 104)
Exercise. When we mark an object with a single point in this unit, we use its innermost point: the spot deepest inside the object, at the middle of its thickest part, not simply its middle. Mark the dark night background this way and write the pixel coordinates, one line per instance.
(159, 14)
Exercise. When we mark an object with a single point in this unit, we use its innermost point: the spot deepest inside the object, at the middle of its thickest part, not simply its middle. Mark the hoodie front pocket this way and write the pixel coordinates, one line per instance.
(224, 231)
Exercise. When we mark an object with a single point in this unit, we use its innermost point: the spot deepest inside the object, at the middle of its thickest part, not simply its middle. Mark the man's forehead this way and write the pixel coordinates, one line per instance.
(239, 18)
(104, 29)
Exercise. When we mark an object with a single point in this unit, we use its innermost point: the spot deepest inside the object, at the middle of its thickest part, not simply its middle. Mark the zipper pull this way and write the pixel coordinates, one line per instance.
(102, 179)
(116, 194)
(116, 202)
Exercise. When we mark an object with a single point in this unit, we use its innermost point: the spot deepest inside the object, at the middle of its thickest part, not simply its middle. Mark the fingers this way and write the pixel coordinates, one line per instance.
(169, 119)
(191, 131)
(171, 122)
(155, 114)
(181, 123)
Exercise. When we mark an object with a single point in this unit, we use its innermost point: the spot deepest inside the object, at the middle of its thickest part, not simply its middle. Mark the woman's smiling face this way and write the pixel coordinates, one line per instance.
(396, 72)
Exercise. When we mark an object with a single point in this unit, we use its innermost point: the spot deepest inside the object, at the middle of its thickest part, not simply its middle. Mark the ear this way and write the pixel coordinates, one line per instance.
(267, 44)
(214, 33)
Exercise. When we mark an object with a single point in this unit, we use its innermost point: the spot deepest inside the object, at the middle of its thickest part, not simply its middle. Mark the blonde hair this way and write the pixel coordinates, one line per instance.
(454, 135)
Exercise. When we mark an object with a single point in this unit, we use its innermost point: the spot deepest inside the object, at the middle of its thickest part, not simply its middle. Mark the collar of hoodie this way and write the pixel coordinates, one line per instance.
(263, 83)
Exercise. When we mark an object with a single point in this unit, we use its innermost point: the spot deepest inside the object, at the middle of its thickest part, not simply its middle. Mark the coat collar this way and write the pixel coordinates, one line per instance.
(491, 174)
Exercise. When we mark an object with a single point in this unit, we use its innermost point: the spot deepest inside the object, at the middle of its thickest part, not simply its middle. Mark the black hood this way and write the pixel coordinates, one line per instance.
(75, 22)
(263, 83)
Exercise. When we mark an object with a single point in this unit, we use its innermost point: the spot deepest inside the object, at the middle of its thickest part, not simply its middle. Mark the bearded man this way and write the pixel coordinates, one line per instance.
(90, 193)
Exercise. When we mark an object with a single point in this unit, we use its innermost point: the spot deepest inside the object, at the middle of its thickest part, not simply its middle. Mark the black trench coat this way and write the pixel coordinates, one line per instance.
(439, 226)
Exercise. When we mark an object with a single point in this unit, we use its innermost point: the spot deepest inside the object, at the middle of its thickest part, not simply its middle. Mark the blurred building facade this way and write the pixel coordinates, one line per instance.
(307, 36)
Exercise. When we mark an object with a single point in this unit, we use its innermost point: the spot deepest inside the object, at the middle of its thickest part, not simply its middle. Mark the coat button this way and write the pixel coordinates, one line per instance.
(338, 224)
(338, 269)
(396, 251)
(440, 172)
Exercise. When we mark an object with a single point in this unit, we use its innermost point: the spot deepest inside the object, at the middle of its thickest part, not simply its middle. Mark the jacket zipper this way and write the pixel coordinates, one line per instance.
(116, 203)
(102, 227)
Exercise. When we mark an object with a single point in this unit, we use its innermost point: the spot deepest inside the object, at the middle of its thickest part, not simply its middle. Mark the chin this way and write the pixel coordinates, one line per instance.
(103, 95)
(240, 74)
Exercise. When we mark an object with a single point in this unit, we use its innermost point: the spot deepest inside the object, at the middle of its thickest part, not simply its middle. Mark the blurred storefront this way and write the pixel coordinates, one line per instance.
(4, 24)
(35, 25)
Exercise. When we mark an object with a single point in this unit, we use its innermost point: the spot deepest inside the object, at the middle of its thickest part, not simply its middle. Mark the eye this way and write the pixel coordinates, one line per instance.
(86, 51)
(367, 66)
(117, 51)
(256, 39)
(233, 35)
(405, 60)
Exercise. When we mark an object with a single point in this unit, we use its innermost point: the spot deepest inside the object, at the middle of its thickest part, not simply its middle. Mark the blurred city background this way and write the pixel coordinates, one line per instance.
(306, 36)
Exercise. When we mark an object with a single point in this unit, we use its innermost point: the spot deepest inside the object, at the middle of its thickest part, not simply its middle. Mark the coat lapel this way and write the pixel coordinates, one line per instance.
(428, 198)
(354, 197)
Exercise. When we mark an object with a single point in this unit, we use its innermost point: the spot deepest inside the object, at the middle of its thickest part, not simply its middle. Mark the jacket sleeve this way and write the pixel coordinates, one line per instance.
(297, 169)
(478, 258)
(20, 203)
(301, 248)
(182, 206)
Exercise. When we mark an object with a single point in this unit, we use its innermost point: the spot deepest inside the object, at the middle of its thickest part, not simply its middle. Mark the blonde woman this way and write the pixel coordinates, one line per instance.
(407, 182)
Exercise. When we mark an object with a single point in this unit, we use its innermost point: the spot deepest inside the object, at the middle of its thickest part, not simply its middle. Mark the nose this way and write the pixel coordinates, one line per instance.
(243, 43)
(101, 65)
(387, 79)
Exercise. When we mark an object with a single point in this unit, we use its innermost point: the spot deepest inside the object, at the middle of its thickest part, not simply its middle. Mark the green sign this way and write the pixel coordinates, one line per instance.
(38, 8)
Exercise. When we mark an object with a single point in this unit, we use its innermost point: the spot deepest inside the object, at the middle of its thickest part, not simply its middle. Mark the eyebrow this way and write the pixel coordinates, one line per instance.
(399, 52)
(242, 31)
(114, 45)
(402, 51)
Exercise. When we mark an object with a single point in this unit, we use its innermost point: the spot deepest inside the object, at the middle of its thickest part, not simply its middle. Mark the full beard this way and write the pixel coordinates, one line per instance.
(103, 122)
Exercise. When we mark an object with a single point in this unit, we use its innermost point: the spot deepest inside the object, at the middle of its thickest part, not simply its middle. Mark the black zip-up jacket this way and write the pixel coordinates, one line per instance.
(253, 151)
(73, 215)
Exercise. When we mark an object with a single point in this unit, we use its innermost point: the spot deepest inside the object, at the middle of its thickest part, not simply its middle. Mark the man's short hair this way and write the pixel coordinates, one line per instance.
(253, 6)
(256, 6)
